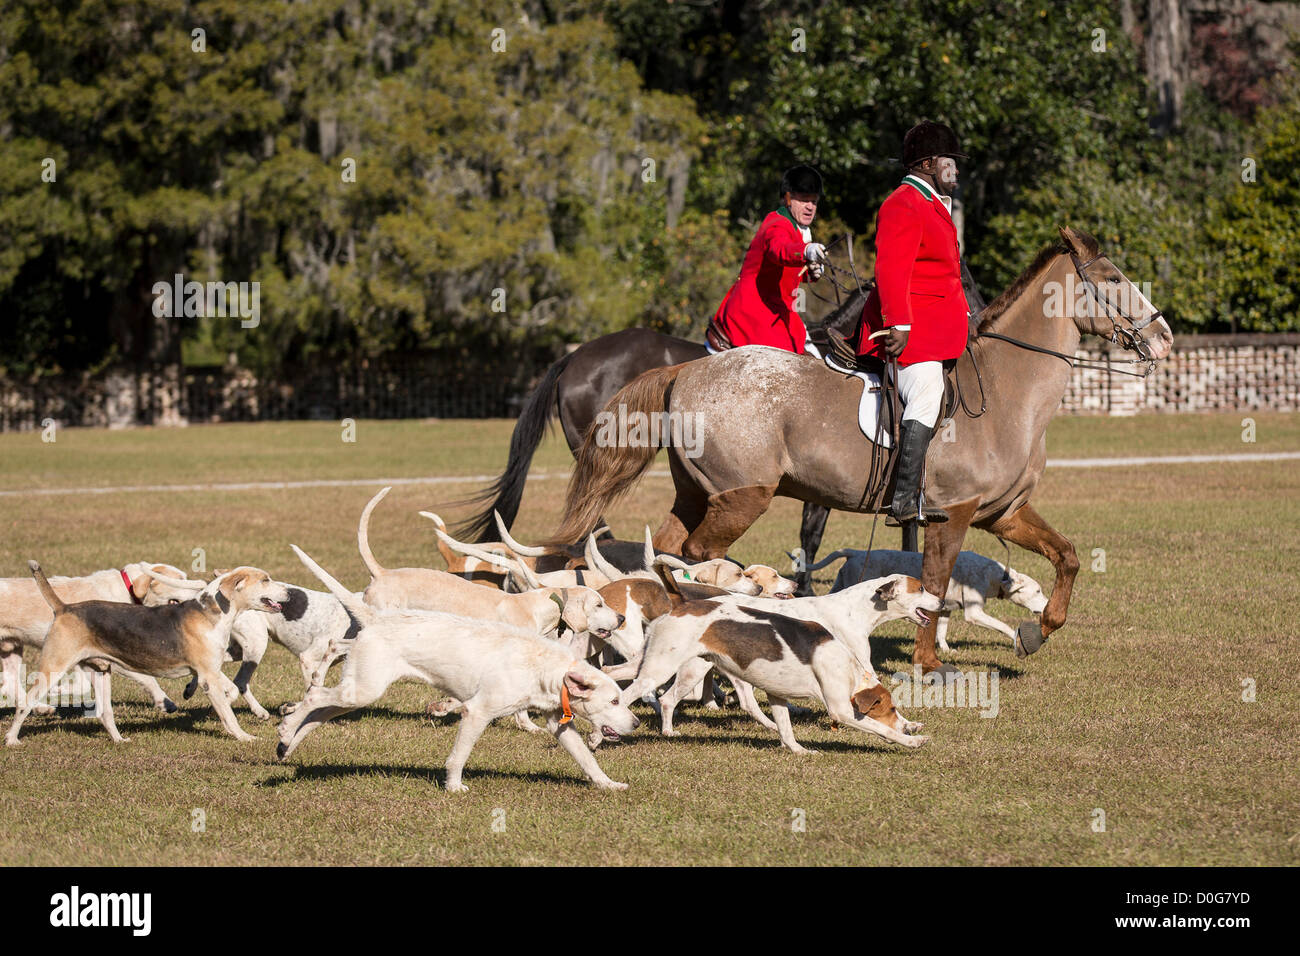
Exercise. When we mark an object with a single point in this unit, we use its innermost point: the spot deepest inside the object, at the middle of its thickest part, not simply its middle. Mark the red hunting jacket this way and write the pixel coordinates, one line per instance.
(918, 278)
(757, 309)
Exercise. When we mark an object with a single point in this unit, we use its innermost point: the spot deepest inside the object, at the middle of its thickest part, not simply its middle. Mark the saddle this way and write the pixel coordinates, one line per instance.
(880, 411)
(843, 357)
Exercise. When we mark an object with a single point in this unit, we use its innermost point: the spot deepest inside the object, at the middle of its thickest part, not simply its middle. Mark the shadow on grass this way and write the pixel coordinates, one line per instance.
(434, 776)
(890, 648)
(867, 743)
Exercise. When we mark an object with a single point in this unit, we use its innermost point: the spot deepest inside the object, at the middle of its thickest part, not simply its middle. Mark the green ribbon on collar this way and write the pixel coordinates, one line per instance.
(559, 602)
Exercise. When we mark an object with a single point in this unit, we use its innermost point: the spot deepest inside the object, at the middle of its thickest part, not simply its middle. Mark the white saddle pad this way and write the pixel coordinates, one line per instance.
(868, 405)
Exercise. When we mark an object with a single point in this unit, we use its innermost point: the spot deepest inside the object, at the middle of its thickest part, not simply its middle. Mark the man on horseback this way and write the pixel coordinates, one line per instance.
(757, 308)
(917, 312)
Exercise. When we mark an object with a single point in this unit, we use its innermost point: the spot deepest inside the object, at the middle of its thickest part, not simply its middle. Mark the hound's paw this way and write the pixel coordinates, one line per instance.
(456, 787)
(122, 740)
(13, 743)
(610, 785)
(805, 752)
(246, 738)
(712, 705)
(287, 709)
(671, 733)
(912, 727)
(915, 742)
(165, 706)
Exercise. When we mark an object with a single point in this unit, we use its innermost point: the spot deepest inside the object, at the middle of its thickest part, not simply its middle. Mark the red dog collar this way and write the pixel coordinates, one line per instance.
(564, 705)
(129, 588)
(564, 699)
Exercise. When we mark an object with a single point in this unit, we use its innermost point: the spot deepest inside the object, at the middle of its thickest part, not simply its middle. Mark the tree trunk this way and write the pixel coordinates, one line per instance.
(1167, 49)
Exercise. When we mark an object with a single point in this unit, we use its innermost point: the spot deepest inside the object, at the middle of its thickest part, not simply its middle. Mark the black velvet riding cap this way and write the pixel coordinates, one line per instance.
(801, 179)
(927, 139)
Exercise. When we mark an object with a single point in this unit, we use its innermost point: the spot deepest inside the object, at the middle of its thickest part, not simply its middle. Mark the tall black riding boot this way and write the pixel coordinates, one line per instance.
(907, 504)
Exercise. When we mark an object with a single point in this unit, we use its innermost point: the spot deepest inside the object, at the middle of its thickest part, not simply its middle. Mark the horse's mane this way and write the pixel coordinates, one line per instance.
(849, 312)
(1045, 255)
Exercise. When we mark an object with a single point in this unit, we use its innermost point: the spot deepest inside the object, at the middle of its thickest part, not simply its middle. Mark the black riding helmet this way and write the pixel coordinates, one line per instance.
(927, 139)
(800, 179)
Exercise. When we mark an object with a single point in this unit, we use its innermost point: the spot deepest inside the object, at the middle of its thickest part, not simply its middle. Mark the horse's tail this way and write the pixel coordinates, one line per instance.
(606, 472)
(504, 494)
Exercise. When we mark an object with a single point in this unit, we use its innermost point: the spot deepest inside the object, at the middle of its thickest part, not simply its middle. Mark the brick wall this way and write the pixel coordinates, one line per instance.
(1204, 373)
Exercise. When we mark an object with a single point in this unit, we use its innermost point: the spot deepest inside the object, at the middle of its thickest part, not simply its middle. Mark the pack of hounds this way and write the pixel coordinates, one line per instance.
(573, 636)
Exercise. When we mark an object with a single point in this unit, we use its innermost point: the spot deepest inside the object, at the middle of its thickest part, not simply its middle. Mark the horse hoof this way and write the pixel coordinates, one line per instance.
(1029, 638)
(943, 674)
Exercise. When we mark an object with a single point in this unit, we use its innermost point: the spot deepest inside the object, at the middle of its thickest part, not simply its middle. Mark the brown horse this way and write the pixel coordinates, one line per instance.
(776, 423)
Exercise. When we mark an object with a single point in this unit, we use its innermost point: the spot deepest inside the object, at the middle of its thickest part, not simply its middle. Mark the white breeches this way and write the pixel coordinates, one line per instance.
(920, 387)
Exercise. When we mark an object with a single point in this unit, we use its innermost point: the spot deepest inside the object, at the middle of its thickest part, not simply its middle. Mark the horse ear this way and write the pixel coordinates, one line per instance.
(1071, 239)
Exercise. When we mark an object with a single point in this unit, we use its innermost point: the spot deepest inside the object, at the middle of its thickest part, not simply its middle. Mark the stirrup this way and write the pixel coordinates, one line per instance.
(922, 515)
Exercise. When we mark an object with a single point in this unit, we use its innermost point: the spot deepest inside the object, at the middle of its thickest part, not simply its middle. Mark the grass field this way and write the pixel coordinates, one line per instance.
(1135, 708)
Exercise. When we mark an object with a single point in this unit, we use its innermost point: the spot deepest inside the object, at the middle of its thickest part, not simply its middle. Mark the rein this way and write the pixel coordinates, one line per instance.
(832, 269)
(1073, 361)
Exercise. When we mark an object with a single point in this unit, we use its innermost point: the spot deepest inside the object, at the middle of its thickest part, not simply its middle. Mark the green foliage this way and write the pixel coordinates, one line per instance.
(1052, 112)
(477, 169)
(543, 176)
(1256, 227)
(686, 271)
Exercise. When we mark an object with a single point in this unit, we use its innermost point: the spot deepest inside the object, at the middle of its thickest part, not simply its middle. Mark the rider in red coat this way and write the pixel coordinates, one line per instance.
(757, 309)
(918, 312)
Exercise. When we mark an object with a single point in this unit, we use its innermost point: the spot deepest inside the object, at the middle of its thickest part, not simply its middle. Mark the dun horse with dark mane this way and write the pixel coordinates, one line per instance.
(776, 423)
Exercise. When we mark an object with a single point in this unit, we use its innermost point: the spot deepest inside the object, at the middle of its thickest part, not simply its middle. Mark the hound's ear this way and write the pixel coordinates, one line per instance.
(579, 685)
(140, 583)
(887, 592)
(727, 574)
(575, 612)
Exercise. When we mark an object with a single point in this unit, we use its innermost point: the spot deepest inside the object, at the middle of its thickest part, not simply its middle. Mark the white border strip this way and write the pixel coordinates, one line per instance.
(544, 475)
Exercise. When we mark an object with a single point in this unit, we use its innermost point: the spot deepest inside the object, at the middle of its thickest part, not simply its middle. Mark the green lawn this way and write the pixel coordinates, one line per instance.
(1135, 708)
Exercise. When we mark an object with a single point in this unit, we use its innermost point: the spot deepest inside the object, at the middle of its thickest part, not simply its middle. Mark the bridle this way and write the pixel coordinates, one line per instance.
(1129, 337)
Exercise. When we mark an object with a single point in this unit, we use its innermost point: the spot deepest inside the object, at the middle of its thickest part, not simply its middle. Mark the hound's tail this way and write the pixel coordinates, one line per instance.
(605, 472)
(833, 556)
(363, 535)
(53, 600)
(663, 566)
(358, 608)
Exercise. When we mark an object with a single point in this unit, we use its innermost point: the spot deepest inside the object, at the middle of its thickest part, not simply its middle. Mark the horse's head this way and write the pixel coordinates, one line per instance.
(1110, 305)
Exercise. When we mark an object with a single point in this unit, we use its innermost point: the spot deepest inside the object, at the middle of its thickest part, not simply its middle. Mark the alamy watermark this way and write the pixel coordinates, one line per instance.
(1105, 298)
(963, 689)
(626, 429)
(208, 300)
(72, 689)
